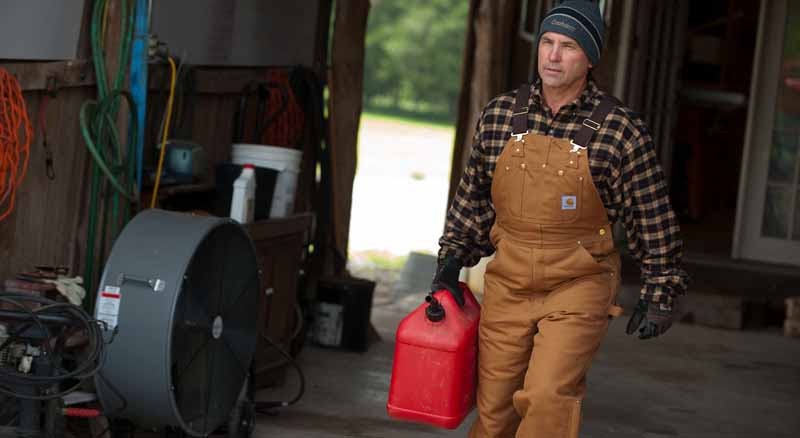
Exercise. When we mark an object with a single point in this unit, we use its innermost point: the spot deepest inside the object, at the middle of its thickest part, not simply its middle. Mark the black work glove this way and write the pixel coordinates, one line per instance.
(650, 319)
(447, 278)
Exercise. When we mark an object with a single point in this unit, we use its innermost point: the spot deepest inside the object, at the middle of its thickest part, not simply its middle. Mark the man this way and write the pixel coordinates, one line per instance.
(553, 165)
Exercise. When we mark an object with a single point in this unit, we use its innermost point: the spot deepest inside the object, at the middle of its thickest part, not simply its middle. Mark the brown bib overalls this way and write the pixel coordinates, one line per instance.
(548, 292)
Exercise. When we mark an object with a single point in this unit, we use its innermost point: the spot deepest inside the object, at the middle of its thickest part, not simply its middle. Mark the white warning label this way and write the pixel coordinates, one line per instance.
(108, 305)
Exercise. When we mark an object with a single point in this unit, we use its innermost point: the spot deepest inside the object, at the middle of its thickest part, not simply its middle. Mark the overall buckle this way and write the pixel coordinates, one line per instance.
(522, 111)
(518, 137)
(591, 124)
(576, 148)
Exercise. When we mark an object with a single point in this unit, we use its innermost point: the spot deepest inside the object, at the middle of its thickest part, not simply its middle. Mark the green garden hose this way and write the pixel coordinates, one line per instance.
(99, 129)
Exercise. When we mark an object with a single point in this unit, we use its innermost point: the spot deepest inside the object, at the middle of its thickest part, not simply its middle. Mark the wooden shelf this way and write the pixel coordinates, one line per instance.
(176, 189)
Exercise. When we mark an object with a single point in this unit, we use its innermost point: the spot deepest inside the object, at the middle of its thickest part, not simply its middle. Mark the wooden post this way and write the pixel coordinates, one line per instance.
(487, 66)
(346, 85)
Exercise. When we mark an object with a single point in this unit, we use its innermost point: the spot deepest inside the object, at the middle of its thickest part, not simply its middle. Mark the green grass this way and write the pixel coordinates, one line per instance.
(380, 259)
(421, 120)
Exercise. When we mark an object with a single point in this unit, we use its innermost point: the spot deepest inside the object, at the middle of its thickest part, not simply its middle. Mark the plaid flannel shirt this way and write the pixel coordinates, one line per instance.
(625, 170)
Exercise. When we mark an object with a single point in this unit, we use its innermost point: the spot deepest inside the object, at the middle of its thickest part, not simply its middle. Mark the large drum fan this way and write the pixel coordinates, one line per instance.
(179, 296)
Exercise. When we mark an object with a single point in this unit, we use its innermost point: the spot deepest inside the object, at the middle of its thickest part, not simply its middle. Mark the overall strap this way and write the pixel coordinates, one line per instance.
(593, 123)
(519, 118)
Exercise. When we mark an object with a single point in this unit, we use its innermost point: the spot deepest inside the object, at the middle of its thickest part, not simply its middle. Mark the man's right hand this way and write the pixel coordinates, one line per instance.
(447, 278)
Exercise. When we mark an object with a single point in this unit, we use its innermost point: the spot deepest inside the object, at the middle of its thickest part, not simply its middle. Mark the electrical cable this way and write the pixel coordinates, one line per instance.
(298, 325)
(298, 313)
(184, 88)
(14, 150)
(173, 76)
(262, 406)
(104, 25)
(89, 367)
(180, 76)
(25, 309)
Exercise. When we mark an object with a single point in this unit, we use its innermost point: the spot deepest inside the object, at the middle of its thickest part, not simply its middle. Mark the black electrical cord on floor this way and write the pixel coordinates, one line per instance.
(262, 406)
(79, 318)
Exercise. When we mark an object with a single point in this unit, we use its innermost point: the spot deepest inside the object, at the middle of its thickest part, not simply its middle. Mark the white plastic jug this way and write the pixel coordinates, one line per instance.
(285, 160)
(243, 204)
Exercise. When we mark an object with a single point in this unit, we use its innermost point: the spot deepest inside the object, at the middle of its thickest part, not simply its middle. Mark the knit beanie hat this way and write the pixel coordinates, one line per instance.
(580, 20)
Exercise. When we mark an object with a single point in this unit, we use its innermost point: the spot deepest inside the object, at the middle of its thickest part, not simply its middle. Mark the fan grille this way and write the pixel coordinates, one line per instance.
(212, 342)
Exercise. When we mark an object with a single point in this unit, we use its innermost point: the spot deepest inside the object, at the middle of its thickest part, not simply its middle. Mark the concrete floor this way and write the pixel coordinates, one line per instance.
(694, 382)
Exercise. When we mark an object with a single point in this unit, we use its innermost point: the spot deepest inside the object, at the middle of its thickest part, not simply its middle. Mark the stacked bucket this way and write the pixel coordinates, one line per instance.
(285, 161)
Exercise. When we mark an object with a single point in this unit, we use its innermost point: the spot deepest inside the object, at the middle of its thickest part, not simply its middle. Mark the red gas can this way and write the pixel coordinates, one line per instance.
(434, 373)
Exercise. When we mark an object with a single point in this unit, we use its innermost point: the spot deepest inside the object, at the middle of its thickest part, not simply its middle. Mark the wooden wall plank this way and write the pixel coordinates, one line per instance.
(40, 229)
(209, 80)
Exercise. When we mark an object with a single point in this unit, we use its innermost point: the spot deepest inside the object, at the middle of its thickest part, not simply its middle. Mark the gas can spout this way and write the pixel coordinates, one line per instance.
(434, 312)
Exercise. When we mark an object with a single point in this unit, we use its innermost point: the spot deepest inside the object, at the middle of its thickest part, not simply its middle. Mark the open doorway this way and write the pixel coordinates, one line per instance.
(711, 120)
(412, 76)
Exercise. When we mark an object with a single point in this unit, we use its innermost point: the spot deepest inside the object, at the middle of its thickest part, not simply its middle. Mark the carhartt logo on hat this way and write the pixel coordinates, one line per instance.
(580, 20)
(563, 24)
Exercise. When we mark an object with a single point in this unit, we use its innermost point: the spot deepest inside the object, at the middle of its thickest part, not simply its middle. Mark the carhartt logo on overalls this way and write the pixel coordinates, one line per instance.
(569, 203)
(563, 24)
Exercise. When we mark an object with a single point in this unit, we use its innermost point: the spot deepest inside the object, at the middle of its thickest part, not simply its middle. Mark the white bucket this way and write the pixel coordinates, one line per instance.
(286, 161)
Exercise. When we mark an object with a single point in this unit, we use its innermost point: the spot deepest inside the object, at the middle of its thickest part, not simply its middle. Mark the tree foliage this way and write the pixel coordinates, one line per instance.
(414, 52)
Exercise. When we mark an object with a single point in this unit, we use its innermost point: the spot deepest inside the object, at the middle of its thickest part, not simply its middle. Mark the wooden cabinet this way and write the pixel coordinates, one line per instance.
(280, 244)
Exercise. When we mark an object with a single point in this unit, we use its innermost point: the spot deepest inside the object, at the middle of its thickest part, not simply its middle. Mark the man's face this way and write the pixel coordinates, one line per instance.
(562, 61)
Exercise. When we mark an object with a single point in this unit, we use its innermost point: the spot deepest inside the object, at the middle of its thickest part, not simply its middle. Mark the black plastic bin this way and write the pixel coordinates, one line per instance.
(342, 313)
(265, 187)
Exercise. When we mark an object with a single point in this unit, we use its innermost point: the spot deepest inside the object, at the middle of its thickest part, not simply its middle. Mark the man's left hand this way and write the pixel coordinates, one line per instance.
(650, 319)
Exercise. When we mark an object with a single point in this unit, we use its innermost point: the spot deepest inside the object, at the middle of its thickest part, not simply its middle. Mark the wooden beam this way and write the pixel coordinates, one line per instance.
(465, 117)
(346, 85)
(34, 76)
(323, 38)
(487, 72)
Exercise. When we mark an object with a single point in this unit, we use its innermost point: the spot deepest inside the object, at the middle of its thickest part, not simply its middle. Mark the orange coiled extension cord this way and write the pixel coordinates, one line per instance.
(14, 150)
